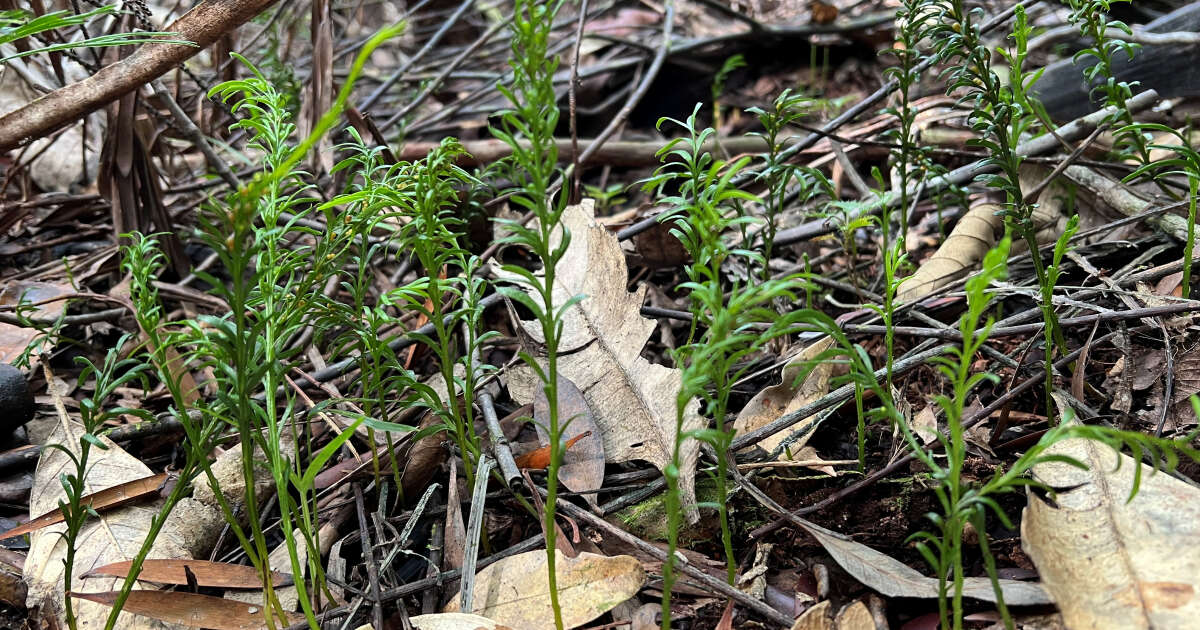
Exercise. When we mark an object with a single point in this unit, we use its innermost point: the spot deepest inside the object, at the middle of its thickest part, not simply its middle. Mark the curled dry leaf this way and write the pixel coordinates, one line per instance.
(978, 231)
(788, 396)
(1108, 561)
(632, 399)
(515, 592)
(582, 466)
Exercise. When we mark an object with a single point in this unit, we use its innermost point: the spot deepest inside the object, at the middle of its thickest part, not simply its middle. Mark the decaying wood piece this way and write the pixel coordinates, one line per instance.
(203, 25)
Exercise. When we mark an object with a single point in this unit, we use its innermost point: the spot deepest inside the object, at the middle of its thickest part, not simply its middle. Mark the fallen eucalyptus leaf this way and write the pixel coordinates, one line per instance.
(515, 592)
(772, 402)
(1108, 561)
(188, 609)
(632, 399)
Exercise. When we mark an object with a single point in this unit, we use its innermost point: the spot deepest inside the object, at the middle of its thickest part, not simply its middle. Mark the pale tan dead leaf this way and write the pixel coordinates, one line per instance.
(924, 424)
(819, 617)
(633, 400)
(449, 621)
(978, 231)
(772, 402)
(516, 593)
(1111, 562)
(856, 616)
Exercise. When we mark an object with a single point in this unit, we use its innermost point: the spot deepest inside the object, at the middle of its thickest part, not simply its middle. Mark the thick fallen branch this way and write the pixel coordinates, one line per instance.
(202, 26)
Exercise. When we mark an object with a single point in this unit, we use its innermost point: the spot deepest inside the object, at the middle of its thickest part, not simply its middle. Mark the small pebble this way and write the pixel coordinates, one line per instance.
(16, 401)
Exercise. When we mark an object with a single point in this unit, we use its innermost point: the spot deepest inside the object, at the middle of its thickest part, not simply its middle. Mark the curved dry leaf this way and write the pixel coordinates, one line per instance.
(1108, 561)
(516, 593)
(892, 578)
(767, 405)
(978, 231)
(632, 400)
(582, 467)
(187, 609)
(206, 573)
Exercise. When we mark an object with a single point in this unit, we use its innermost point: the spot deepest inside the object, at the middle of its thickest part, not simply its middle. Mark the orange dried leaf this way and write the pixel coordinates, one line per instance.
(539, 459)
(171, 571)
(200, 611)
(105, 499)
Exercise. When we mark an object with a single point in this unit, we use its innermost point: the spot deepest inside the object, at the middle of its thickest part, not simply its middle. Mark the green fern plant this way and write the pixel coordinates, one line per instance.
(728, 324)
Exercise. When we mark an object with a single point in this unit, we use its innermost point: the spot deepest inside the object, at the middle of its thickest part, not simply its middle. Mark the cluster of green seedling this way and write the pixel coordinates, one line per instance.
(1092, 19)
(1185, 163)
(277, 271)
(729, 323)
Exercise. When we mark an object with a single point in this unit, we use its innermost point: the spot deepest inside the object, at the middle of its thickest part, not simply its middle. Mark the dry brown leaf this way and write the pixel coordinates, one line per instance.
(892, 578)
(516, 593)
(206, 573)
(772, 402)
(188, 609)
(856, 616)
(819, 617)
(1108, 561)
(978, 231)
(632, 399)
(106, 499)
(14, 339)
(582, 467)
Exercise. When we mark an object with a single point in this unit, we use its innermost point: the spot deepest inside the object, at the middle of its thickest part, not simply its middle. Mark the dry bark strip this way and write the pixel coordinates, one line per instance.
(203, 25)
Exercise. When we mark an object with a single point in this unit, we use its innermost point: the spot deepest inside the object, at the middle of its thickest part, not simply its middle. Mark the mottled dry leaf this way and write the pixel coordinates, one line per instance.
(188, 609)
(582, 467)
(1108, 561)
(515, 591)
(633, 400)
(772, 402)
(104, 500)
(171, 571)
